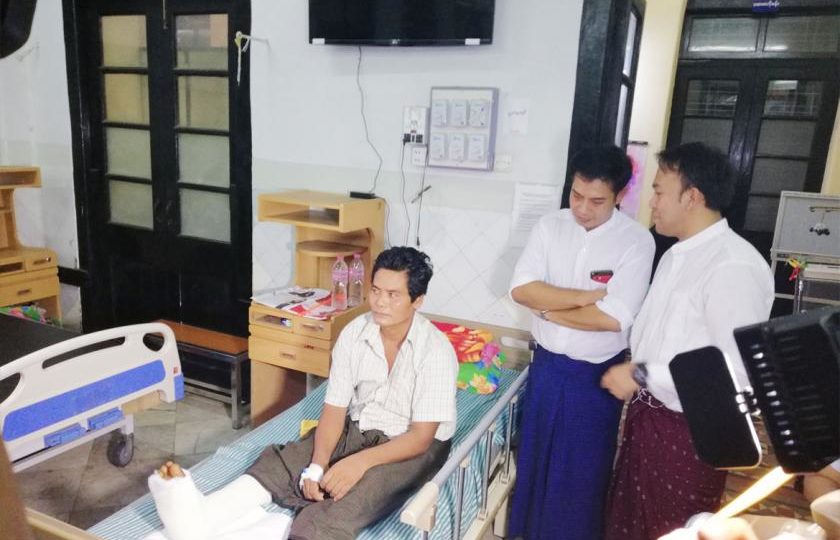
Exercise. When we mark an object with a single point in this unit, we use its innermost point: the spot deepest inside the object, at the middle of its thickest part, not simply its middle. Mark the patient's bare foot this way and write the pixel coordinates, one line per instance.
(170, 470)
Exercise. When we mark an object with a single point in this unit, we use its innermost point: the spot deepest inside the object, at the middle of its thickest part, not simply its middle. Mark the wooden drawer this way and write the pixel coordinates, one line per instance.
(283, 321)
(26, 277)
(290, 356)
(11, 262)
(37, 261)
(27, 291)
(9, 268)
(292, 339)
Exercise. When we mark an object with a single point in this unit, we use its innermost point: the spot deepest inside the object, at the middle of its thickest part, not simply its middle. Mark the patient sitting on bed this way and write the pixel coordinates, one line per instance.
(385, 428)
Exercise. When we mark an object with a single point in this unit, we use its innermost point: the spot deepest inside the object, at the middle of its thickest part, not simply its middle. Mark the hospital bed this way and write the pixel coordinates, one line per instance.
(467, 496)
(78, 388)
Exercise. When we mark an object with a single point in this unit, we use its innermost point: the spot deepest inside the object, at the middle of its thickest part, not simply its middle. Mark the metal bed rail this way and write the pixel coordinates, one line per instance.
(420, 512)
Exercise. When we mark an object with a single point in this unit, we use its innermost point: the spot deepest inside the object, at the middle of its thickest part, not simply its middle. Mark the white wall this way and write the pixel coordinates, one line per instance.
(35, 130)
(308, 133)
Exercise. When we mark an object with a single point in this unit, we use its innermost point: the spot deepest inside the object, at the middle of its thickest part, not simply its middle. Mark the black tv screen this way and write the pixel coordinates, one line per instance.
(401, 22)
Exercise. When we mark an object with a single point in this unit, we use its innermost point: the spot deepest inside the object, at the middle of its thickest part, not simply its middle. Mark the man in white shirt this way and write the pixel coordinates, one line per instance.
(584, 274)
(386, 426)
(709, 283)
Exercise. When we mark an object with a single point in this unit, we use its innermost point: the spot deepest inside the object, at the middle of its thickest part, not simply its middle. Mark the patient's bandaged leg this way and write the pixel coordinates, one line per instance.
(381, 490)
(187, 514)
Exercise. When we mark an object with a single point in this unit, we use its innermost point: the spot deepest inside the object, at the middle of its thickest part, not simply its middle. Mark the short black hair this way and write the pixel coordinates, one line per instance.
(705, 168)
(607, 163)
(407, 259)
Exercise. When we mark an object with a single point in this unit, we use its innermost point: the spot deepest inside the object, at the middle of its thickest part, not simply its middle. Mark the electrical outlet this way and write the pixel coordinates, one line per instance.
(415, 124)
(418, 156)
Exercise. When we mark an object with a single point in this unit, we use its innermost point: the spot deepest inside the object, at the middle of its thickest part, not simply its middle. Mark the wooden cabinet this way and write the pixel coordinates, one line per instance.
(283, 347)
(27, 274)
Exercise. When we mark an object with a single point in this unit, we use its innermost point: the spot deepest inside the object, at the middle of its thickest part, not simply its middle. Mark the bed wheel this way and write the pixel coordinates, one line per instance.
(120, 449)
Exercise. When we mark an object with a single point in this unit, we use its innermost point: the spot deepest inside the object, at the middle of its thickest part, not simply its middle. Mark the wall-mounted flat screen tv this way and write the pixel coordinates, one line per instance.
(401, 22)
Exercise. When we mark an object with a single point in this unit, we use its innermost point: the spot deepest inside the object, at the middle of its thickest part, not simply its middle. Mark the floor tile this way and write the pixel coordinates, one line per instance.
(160, 437)
(155, 417)
(54, 490)
(87, 518)
(107, 485)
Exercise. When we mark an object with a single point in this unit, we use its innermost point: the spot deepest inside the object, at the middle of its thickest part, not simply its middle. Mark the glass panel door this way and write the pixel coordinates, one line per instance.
(203, 122)
(786, 122)
(125, 91)
(710, 112)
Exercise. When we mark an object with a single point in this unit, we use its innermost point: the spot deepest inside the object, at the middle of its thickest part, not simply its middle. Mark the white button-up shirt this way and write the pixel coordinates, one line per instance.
(704, 288)
(562, 253)
(420, 387)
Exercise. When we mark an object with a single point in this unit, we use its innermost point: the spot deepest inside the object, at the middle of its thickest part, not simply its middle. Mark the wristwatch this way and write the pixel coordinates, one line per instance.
(640, 374)
(542, 314)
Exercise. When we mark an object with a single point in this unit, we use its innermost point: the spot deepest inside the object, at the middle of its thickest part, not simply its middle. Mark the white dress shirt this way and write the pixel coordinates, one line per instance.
(704, 288)
(420, 387)
(563, 254)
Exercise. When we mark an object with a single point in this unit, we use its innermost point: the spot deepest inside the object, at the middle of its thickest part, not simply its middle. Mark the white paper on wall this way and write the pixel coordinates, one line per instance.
(530, 203)
(457, 142)
(459, 113)
(517, 116)
(439, 112)
(476, 146)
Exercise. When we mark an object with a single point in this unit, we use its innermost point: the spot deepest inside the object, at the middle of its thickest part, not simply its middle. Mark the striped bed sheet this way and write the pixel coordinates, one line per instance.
(139, 518)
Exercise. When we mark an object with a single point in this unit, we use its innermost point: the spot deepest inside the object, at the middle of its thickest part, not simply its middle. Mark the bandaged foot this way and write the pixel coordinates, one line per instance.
(180, 505)
(187, 514)
(235, 500)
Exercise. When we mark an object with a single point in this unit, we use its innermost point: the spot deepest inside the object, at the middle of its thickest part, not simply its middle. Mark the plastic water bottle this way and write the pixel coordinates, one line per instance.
(339, 284)
(356, 286)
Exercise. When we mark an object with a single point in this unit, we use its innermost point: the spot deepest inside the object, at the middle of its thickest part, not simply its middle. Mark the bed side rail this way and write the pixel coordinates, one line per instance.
(420, 511)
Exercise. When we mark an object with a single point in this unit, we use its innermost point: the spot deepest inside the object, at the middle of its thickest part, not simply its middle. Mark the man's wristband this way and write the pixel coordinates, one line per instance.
(313, 472)
(640, 374)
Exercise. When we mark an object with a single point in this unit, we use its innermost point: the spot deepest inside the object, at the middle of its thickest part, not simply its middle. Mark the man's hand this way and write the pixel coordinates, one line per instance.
(345, 474)
(618, 381)
(312, 490)
(594, 295)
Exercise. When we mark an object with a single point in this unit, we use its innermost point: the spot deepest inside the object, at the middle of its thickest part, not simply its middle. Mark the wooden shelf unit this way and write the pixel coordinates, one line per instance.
(27, 274)
(283, 347)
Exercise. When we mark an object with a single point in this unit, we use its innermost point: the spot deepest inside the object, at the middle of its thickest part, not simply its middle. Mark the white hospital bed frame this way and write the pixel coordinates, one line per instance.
(91, 386)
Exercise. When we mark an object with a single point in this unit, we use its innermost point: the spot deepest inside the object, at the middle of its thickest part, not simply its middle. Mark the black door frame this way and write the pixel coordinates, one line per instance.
(603, 34)
(96, 300)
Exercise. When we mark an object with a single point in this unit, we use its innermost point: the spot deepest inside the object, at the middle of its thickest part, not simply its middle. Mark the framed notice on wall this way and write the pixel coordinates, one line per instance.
(462, 127)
